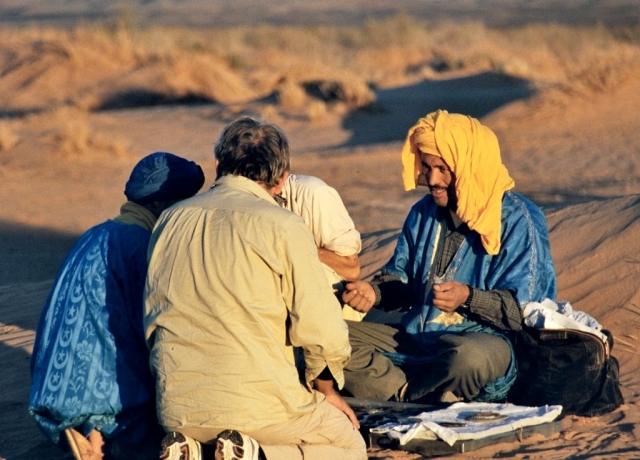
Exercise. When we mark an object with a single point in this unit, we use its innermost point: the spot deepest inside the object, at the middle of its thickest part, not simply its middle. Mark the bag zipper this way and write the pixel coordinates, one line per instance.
(604, 345)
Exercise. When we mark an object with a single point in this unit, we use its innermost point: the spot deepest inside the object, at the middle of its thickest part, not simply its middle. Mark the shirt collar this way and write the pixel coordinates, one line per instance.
(245, 184)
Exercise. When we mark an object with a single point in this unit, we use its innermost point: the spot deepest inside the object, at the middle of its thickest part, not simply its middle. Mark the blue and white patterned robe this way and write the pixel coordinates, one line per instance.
(90, 363)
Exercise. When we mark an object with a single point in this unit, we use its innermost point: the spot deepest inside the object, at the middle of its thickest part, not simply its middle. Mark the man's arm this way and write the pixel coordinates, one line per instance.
(348, 267)
(385, 291)
(316, 323)
(334, 232)
(497, 307)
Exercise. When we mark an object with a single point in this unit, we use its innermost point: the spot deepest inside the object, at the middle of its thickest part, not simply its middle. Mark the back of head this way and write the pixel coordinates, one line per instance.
(253, 149)
(163, 177)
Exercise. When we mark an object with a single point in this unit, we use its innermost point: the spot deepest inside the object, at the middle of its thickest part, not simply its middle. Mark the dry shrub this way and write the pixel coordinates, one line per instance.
(205, 75)
(290, 95)
(606, 75)
(352, 92)
(74, 137)
(45, 68)
(86, 65)
(316, 111)
(514, 68)
(8, 139)
(398, 31)
(557, 54)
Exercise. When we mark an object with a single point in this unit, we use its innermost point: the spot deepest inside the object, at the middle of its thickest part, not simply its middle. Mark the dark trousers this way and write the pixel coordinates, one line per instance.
(460, 363)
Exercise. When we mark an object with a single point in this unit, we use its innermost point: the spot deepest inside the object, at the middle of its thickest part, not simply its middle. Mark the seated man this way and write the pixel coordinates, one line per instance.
(335, 235)
(469, 257)
(90, 373)
(234, 284)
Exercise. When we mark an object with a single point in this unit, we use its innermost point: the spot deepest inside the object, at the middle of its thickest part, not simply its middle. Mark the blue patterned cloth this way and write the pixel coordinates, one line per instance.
(90, 363)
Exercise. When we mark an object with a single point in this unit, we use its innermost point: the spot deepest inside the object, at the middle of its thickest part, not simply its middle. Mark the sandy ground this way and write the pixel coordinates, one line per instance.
(577, 155)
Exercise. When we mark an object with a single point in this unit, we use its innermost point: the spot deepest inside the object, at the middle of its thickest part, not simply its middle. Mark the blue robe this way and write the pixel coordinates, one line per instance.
(523, 266)
(90, 364)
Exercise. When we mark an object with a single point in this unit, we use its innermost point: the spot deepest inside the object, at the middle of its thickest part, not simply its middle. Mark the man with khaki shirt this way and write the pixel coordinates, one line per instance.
(235, 283)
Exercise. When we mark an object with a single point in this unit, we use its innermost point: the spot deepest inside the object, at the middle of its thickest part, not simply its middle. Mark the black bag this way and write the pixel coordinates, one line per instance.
(572, 368)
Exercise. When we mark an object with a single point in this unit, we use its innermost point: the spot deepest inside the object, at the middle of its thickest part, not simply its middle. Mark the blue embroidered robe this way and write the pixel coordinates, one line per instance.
(90, 363)
(523, 266)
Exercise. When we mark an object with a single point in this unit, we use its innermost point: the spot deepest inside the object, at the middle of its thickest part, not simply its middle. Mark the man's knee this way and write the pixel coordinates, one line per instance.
(480, 356)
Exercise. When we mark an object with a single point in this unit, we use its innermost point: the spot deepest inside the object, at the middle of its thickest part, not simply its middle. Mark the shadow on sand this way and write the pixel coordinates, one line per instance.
(31, 255)
(397, 109)
(31, 258)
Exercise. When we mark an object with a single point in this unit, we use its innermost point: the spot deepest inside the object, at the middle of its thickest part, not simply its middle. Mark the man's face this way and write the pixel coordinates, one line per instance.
(440, 180)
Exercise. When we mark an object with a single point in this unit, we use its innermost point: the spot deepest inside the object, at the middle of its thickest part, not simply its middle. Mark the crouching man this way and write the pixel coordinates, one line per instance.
(234, 284)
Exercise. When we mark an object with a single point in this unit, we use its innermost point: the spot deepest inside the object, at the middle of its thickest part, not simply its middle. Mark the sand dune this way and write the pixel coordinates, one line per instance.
(595, 273)
(568, 131)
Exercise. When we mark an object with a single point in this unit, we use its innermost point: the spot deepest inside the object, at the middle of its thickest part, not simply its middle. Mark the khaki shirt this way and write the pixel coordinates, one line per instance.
(234, 283)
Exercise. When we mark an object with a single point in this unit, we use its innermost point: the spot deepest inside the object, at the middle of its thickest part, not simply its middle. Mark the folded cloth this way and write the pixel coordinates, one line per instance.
(549, 315)
(467, 421)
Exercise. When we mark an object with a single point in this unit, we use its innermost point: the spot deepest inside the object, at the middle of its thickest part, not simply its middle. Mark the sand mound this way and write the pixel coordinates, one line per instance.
(598, 272)
(93, 70)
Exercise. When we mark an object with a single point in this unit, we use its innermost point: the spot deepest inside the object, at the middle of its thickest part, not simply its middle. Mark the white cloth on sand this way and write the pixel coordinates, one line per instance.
(467, 421)
(549, 315)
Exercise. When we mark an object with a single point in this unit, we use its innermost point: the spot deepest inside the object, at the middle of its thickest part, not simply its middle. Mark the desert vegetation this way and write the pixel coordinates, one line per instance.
(104, 66)
(306, 72)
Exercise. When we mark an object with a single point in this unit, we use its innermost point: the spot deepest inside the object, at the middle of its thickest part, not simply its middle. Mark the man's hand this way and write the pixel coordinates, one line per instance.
(450, 295)
(326, 387)
(359, 295)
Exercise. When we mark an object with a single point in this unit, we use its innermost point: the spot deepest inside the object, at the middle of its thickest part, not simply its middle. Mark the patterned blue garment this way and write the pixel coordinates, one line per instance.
(90, 363)
(523, 266)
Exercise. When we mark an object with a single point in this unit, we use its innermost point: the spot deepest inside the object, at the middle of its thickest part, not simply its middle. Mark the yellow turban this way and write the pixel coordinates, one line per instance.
(472, 153)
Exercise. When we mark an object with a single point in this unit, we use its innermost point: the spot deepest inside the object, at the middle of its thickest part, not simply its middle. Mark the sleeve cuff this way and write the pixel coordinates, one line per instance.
(376, 289)
(469, 301)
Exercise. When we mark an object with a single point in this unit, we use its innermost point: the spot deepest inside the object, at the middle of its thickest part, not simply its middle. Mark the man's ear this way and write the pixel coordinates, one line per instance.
(280, 185)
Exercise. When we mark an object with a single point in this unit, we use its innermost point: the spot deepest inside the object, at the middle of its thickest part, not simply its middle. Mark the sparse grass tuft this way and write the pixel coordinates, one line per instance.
(74, 137)
(8, 139)
(290, 95)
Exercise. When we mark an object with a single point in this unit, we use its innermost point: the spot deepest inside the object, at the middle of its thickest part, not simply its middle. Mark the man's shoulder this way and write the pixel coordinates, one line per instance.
(305, 181)
(303, 187)
(516, 207)
(114, 229)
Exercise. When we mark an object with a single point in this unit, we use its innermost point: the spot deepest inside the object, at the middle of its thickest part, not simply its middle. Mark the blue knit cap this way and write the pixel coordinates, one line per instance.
(163, 176)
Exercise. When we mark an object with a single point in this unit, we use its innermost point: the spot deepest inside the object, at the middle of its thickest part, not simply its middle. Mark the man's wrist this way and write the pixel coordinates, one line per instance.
(467, 303)
(377, 292)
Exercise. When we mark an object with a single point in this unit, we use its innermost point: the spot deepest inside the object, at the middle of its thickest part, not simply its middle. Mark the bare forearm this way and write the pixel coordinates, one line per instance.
(347, 267)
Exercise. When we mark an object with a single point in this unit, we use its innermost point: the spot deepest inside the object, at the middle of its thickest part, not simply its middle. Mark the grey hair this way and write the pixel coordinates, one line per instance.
(253, 149)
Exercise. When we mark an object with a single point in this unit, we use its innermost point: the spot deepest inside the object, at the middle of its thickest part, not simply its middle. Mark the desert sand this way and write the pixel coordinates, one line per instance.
(568, 131)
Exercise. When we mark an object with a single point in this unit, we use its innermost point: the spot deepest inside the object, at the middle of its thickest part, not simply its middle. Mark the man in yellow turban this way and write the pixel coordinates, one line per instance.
(470, 256)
